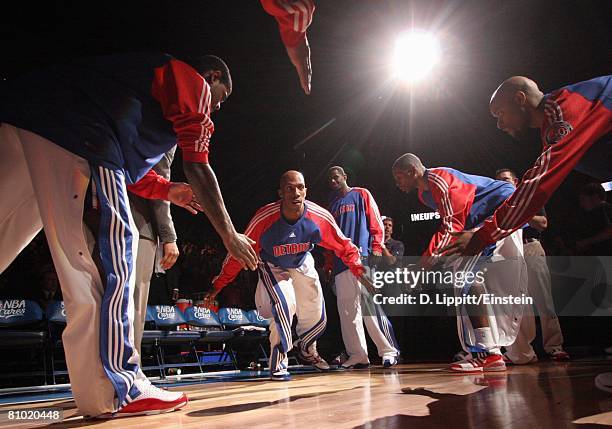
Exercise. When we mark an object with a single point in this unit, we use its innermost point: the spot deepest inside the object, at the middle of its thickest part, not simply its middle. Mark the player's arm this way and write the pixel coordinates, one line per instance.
(454, 200)
(231, 267)
(375, 224)
(575, 124)
(163, 217)
(152, 186)
(333, 239)
(293, 18)
(185, 99)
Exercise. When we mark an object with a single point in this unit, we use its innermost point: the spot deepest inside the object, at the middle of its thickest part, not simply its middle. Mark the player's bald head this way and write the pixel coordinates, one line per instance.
(408, 162)
(507, 90)
(291, 176)
(515, 105)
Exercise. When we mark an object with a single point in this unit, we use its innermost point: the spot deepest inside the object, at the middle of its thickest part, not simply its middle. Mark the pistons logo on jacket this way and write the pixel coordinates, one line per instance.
(358, 217)
(291, 249)
(286, 245)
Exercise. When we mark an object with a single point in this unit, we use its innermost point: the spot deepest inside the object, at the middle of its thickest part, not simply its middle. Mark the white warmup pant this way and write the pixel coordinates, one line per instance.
(284, 293)
(350, 297)
(505, 275)
(145, 264)
(41, 184)
(540, 290)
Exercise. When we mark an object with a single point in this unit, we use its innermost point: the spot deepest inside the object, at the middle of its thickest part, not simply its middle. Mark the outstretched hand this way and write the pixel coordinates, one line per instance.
(182, 195)
(300, 58)
(241, 248)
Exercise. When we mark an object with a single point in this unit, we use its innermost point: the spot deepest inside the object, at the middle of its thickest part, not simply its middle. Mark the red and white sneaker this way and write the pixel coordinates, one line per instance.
(559, 355)
(479, 363)
(151, 400)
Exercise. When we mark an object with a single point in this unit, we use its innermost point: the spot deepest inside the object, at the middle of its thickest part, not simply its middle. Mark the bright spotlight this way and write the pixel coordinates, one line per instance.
(415, 55)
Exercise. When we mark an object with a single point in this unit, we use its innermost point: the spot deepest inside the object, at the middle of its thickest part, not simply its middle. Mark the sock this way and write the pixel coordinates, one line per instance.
(484, 339)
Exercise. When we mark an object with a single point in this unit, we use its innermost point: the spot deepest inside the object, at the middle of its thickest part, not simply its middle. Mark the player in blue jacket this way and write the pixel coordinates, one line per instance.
(107, 120)
(464, 201)
(357, 215)
(285, 232)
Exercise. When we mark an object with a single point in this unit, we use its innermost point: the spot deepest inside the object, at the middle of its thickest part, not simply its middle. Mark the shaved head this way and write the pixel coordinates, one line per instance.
(516, 106)
(509, 88)
(291, 176)
(292, 193)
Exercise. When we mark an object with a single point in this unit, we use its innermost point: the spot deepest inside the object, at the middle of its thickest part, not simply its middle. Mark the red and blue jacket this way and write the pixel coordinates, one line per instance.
(577, 134)
(464, 201)
(358, 217)
(286, 245)
(117, 111)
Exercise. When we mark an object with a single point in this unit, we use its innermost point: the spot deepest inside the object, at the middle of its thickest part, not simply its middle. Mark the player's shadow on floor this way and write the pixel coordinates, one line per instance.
(250, 406)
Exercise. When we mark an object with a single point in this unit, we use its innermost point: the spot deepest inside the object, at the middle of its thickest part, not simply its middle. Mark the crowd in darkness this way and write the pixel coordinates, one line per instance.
(32, 275)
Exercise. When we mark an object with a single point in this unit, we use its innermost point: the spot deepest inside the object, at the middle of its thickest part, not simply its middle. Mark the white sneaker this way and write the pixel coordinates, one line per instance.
(282, 375)
(355, 362)
(389, 360)
(340, 359)
(311, 358)
(151, 400)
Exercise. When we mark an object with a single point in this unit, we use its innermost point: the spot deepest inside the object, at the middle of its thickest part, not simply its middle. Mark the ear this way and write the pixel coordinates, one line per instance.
(280, 194)
(520, 98)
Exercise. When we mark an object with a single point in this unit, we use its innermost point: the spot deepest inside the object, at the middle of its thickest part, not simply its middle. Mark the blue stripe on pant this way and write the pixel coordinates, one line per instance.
(310, 336)
(385, 326)
(282, 317)
(115, 242)
(472, 264)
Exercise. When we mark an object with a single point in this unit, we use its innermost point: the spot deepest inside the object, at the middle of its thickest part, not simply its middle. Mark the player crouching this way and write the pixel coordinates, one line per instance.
(284, 234)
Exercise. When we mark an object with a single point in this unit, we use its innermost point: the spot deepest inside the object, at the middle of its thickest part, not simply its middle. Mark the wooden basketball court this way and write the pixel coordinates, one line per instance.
(544, 395)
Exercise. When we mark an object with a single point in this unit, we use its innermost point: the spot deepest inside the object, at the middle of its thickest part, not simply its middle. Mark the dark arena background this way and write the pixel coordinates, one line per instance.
(359, 116)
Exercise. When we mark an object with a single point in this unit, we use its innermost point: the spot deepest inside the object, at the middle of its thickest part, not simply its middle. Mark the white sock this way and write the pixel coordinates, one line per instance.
(484, 338)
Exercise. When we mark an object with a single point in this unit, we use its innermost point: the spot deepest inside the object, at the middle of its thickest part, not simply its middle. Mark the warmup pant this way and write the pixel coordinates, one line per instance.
(505, 275)
(350, 298)
(43, 185)
(145, 264)
(283, 293)
(540, 290)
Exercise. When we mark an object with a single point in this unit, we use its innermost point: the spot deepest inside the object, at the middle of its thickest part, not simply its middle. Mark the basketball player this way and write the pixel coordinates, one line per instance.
(107, 120)
(285, 232)
(464, 201)
(575, 123)
(357, 215)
